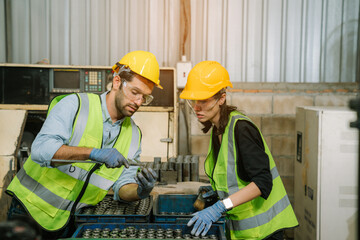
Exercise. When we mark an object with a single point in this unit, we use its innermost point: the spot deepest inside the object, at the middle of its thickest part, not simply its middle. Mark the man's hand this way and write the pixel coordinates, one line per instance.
(204, 219)
(110, 156)
(146, 180)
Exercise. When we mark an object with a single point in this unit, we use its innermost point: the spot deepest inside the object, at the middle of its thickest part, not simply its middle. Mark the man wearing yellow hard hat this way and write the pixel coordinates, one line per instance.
(239, 164)
(86, 126)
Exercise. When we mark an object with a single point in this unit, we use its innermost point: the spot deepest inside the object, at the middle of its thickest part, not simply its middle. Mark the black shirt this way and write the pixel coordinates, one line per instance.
(252, 162)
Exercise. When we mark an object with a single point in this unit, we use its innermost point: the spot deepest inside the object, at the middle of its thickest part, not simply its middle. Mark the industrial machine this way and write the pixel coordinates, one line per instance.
(31, 88)
(326, 171)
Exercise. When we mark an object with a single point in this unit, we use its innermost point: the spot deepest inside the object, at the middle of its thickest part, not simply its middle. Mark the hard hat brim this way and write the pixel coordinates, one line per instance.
(199, 95)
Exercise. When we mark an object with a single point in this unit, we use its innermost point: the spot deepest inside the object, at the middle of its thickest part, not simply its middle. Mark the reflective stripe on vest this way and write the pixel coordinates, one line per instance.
(231, 174)
(261, 219)
(82, 117)
(41, 191)
(274, 173)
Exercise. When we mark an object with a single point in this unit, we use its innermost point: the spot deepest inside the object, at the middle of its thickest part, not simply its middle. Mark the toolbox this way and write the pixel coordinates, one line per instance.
(143, 231)
(176, 208)
(111, 211)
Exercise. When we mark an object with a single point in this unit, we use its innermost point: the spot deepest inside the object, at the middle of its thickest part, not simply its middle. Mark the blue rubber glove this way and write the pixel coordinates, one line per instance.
(146, 180)
(110, 156)
(204, 219)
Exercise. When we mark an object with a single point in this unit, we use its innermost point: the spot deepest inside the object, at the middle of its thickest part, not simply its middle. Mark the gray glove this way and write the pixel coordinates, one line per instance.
(110, 156)
(205, 188)
(209, 195)
(146, 180)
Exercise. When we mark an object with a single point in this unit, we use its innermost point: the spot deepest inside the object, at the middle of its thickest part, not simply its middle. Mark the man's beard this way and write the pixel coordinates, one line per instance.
(122, 108)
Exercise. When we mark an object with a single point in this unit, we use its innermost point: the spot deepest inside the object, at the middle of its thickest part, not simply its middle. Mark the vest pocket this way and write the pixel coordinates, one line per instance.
(49, 201)
(42, 205)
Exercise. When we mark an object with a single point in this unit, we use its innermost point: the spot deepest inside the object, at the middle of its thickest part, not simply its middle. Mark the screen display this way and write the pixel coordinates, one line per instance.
(67, 78)
(24, 85)
(164, 97)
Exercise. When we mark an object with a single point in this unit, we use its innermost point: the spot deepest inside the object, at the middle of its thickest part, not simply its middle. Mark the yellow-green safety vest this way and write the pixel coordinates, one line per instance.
(257, 218)
(51, 195)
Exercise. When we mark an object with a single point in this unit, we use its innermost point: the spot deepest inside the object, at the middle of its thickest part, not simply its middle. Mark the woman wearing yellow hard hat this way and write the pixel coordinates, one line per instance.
(239, 164)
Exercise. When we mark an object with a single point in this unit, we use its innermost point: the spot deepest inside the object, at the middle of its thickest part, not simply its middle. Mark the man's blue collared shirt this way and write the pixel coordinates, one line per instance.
(56, 131)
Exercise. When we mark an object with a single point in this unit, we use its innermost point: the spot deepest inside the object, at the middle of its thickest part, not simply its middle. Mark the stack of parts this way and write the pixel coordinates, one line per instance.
(108, 206)
(109, 210)
(142, 233)
(176, 169)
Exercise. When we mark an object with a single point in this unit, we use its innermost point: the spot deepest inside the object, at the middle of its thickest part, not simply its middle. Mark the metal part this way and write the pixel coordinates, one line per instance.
(186, 168)
(194, 168)
(167, 140)
(157, 160)
(178, 168)
(62, 161)
(108, 206)
(142, 233)
(164, 166)
(156, 168)
(172, 162)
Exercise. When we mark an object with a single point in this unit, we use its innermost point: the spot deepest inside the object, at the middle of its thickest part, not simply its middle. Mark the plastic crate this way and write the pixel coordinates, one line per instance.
(176, 208)
(81, 216)
(214, 230)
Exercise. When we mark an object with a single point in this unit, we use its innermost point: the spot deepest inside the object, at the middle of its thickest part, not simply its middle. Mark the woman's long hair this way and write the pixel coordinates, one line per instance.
(225, 111)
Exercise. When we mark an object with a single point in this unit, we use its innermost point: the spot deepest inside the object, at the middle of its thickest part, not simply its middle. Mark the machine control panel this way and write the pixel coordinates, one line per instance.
(93, 81)
(78, 80)
(38, 84)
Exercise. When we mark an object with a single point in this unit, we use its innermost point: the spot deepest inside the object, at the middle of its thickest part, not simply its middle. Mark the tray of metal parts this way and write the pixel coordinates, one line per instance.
(143, 231)
(175, 208)
(111, 211)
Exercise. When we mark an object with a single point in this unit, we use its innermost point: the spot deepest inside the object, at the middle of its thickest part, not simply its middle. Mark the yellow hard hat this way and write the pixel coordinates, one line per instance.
(143, 63)
(205, 80)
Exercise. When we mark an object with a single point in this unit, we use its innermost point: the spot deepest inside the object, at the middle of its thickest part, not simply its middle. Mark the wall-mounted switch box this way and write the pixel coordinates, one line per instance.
(183, 68)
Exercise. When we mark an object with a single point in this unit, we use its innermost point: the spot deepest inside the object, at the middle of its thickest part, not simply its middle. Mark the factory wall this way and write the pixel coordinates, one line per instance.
(257, 41)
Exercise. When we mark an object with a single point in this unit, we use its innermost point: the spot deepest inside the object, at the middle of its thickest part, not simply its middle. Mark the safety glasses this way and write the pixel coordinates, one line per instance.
(204, 105)
(134, 94)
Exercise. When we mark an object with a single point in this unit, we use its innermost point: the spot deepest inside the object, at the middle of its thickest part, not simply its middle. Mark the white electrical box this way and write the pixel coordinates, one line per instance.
(183, 68)
(326, 174)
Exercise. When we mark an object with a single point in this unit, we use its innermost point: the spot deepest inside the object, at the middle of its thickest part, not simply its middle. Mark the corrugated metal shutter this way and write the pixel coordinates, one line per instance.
(256, 40)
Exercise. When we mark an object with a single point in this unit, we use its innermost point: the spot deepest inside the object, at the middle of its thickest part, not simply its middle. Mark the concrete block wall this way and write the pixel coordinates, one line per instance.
(272, 106)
